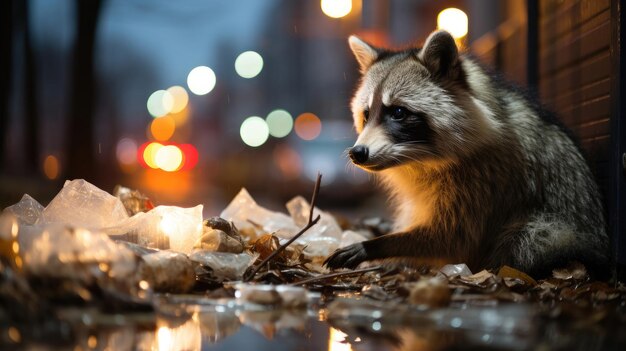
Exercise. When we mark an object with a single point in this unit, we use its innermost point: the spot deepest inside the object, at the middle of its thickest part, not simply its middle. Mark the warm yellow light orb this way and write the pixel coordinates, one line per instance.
(180, 98)
(454, 21)
(169, 158)
(51, 167)
(149, 154)
(336, 8)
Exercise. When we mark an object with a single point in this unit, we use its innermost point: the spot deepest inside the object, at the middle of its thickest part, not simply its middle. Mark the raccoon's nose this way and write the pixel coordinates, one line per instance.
(359, 154)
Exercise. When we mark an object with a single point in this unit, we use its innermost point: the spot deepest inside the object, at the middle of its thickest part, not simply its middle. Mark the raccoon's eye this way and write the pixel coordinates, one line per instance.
(398, 113)
(366, 115)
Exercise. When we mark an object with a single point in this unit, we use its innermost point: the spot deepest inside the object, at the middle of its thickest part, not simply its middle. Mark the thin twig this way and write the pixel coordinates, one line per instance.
(309, 224)
(337, 274)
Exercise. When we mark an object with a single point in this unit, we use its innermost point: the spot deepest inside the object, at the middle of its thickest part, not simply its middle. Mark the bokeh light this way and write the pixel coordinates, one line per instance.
(279, 123)
(162, 128)
(336, 8)
(288, 161)
(160, 103)
(181, 117)
(190, 156)
(51, 167)
(249, 64)
(180, 98)
(308, 126)
(149, 154)
(169, 158)
(201, 80)
(454, 21)
(126, 152)
(254, 131)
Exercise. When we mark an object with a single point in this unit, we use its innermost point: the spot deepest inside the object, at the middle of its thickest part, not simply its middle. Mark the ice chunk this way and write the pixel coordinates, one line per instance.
(82, 204)
(27, 210)
(243, 210)
(162, 227)
(224, 265)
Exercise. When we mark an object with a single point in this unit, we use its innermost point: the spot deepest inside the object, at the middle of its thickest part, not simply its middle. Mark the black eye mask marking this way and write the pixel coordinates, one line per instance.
(405, 126)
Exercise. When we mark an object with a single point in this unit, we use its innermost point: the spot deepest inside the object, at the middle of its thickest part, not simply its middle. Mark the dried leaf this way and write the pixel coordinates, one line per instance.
(509, 272)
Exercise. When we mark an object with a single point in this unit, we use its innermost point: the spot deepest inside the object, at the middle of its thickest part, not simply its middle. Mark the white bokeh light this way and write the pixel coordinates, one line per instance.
(249, 64)
(336, 8)
(454, 21)
(280, 123)
(254, 131)
(160, 103)
(201, 80)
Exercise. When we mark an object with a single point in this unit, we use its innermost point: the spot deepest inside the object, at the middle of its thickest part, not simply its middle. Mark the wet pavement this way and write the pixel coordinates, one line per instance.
(196, 323)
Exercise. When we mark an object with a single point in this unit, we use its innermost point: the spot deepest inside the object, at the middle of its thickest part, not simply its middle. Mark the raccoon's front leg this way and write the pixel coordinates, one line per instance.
(407, 244)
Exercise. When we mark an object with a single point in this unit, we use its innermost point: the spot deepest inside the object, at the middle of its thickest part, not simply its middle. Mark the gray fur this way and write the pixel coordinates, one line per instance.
(496, 184)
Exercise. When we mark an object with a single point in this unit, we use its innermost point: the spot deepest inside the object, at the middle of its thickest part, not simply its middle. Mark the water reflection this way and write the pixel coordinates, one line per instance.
(358, 326)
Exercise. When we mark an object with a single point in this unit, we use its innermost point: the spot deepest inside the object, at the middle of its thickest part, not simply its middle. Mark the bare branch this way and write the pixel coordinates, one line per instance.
(337, 274)
(311, 222)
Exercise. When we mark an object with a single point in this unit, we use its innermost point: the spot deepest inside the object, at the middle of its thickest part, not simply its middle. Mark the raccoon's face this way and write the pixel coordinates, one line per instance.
(412, 106)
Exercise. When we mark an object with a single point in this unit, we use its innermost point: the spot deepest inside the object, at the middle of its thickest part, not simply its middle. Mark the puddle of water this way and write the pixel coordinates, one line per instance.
(347, 324)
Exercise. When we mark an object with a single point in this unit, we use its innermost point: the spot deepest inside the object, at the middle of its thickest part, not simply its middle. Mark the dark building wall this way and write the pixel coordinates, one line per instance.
(574, 66)
(575, 72)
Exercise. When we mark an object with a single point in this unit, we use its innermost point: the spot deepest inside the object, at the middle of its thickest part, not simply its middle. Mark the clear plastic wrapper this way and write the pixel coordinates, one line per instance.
(81, 204)
(225, 266)
(27, 210)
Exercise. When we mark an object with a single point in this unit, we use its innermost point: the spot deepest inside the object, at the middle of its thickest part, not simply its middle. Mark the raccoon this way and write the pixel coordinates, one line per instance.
(478, 172)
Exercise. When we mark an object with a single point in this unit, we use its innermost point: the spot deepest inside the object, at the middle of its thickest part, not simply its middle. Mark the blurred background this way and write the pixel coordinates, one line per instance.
(190, 101)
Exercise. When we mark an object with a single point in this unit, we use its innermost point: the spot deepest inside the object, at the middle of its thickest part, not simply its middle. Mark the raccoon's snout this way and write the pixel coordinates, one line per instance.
(359, 154)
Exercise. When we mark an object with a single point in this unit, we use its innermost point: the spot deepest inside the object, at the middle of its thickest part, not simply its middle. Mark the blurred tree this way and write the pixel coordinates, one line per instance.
(80, 133)
(6, 53)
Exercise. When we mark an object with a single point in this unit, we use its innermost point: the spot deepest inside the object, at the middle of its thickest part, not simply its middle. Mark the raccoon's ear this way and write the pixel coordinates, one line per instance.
(365, 53)
(439, 54)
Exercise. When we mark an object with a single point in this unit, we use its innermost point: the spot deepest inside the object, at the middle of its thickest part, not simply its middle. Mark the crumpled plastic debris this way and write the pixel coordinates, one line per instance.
(219, 235)
(319, 241)
(168, 271)
(350, 237)
(453, 270)
(62, 252)
(224, 266)
(81, 204)
(164, 227)
(133, 200)
(265, 294)
(27, 210)
(246, 213)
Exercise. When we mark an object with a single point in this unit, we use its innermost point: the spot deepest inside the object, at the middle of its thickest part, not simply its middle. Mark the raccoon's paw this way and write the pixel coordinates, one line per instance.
(347, 257)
